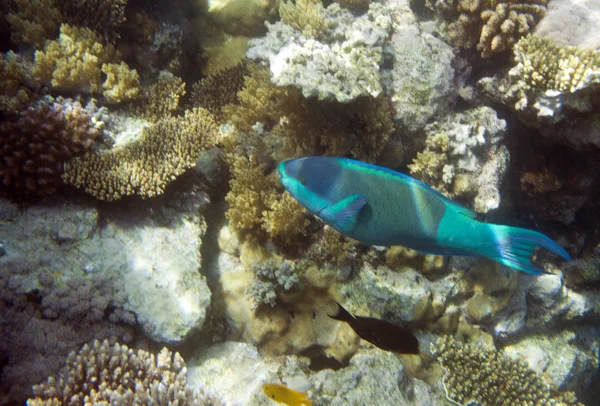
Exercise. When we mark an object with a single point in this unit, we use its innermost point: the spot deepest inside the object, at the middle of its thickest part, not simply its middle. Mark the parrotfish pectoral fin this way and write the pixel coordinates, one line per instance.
(515, 246)
(343, 214)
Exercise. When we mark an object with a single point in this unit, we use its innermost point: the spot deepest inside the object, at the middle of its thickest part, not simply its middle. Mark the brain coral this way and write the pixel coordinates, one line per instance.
(147, 165)
(34, 146)
(473, 374)
(117, 375)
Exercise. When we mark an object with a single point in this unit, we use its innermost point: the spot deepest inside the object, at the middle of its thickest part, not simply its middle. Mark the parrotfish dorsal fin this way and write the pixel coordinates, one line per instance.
(343, 214)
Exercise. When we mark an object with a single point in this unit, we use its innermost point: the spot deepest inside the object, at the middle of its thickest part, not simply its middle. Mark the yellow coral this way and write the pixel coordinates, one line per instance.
(429, 164)
(147, 165)
(33, 22)
(15, 83)
(121, 82)
(307, 16)
(162, 98)
(102, 16)
(542, 65)
(284, 217)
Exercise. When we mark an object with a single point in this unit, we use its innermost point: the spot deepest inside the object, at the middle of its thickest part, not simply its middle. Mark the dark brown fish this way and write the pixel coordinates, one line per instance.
(383, 334)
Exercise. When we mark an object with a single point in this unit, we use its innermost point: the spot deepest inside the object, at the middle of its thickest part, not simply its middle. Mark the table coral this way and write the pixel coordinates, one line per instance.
(34, 146)
(147, 165)
(103, 373)
(475, 374)
(161, 100)
(79, 61)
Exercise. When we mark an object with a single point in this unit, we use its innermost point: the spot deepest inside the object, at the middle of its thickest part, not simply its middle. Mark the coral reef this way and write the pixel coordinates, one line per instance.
(269, 278)
(307, 16)
(161, 99)
(35, 145)
(17, 83)
(148, 164)
(490, 26)
(78, 61)
(465, 157)
(569, 22)
(489, 377)
(116, 374)
(241, 17)
(342, 67)
(105, 17)
(32, 22)
(220, 89)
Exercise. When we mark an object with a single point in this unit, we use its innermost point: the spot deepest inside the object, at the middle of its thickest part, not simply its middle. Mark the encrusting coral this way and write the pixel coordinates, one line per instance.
(34, 147)
(32, 22)
(474, 374)
(79, 61)
(101, 373)
(147, 165)
(492, 26)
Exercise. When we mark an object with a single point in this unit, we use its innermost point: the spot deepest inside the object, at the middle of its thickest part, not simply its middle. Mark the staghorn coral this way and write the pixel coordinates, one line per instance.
(220, 89)
(162, 98)
(147, 165)
(475, 374)
(78, 61)
(104, 17)
(494, 26)
(542, 65)
(16, 83)
(307, 16)
(32, 22)
(102, 373)
(34, 146)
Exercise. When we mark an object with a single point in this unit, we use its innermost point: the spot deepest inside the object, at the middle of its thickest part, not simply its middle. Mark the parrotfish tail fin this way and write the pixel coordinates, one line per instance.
(343, 215)
(342, 314)
(514, 247)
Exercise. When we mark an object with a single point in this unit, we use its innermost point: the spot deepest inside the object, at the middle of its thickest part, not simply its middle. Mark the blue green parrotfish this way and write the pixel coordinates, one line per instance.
(379, 206)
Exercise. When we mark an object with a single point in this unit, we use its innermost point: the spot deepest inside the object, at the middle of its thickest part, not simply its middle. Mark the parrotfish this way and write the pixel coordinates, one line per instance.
(282, 394)
(383, 334)
(379, 206)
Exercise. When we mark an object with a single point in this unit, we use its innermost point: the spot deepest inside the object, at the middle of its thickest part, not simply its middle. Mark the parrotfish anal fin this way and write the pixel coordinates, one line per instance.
(343, 214)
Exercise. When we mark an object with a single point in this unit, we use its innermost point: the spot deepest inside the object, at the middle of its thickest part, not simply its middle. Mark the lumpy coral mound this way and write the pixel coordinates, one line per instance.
(34, 147)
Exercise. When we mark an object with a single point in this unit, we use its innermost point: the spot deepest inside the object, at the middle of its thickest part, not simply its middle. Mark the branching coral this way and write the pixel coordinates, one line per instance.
(284, 218)
(147, 165)
(102, 16)
(32, 22)
(494, 26)
(103, 374)
(475, 374)
(220, 89)
(16, 83)
(542, 65)
(307, 16)
(162, 98)
(34, 147)
(78, 61)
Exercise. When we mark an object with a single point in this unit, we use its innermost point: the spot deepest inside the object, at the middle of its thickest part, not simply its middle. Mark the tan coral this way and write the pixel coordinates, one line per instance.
(162, 99)
(32, 22)
(494, 26)
(35, 145)
(307, 16)
(121, 83)
(104, 17)
(101, 373)
(147, 165)
(284, 217)
(16, 83)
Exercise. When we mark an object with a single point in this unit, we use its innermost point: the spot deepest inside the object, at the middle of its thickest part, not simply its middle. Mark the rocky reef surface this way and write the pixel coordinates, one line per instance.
(146, 239)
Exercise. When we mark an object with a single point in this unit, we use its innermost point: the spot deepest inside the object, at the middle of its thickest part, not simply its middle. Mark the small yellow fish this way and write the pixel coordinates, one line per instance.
(283, 394)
